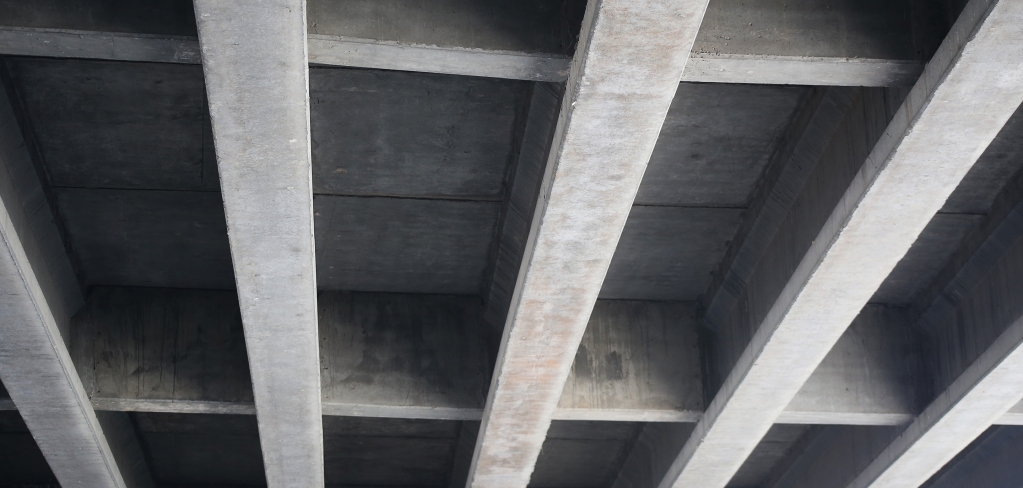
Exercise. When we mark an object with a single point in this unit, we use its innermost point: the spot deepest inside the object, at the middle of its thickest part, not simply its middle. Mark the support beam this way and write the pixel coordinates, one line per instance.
(38, 294)
(624, 74)
(933, 140)
(257, 78)
(327, 50)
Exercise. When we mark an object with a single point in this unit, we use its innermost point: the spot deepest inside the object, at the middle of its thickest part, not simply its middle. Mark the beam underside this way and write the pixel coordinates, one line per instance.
(255, 62)
(593, 174)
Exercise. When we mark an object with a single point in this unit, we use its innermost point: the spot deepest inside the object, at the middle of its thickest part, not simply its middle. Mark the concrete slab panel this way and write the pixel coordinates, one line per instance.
(172, 17)
(170, 239)
(412, 134)
(582, 454)
(668, 253)
(403, 245)
(388, 452)
(715, 143)
(190, 449)
(103, 124)
(508, 25)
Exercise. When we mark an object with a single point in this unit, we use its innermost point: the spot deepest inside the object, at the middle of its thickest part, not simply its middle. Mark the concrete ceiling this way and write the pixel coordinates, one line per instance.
(412, 174)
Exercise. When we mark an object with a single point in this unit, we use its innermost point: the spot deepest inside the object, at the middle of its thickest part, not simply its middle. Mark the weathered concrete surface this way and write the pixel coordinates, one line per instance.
(39, 294)
(636, 354)
(623, 77)
(390, 355)
(421, 353)
(256, 67)
(403, 245)
(906, 179)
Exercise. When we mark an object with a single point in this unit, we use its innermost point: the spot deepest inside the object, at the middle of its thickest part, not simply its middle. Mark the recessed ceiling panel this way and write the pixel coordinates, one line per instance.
(715, 143)
(391, 133)
(106, 124)
(669, 253)
(174, 239)
(403, 245)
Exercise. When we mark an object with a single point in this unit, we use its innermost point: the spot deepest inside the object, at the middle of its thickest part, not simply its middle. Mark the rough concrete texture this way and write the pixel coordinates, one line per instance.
(623, 78)
(636, 358)
(907, 178)
(256, 67)
(419, 351)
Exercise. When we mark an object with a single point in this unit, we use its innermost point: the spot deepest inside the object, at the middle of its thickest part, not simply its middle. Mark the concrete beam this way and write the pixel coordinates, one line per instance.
(624, 75)
(38, 294)
(933, 140)
(327, 50)
(257, 79)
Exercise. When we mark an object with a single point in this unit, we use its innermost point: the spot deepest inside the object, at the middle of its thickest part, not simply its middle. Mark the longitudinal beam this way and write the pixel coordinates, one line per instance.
(625, 72)
(257, 77)
(965, 96)
(38, 294)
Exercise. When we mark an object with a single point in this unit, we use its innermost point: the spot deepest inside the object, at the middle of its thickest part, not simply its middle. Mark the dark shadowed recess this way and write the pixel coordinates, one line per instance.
(223, 450)
(21, 462)
(715, 145)
(583, 454)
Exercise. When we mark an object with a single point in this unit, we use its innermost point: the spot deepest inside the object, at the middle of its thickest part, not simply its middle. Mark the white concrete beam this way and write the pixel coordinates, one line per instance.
(38, 294)
(966, 94)
(257, 78)
(627, 67)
